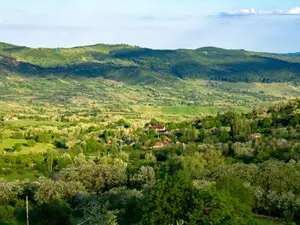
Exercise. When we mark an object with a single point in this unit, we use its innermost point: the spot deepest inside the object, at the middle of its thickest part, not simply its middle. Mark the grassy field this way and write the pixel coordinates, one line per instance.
(25, 123)
(22, 95)
(28, 175)
(39, 147)
(262, 221)
(273, 89)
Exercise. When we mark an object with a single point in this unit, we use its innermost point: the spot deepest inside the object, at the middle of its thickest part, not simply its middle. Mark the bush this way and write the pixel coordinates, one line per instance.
(17, 147)
(54, 212)
(18, 135)
(60, 143)
(44, 138)
(23, 171)
(31, 143)
(7, 171)
(6, 212)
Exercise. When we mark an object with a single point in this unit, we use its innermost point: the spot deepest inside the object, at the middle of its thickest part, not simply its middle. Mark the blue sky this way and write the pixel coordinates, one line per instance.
(258, 25)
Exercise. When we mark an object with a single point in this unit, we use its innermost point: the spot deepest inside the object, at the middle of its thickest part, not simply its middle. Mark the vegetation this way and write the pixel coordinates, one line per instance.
(231, 168)
(134, 64)
(126, 78)
(118, 134)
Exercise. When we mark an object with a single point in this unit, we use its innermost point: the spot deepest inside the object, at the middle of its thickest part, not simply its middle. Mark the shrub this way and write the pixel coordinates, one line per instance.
(44, 138)
(54, 212)
(17, 147)
(6, 212)
(31, 143)
(18, 135)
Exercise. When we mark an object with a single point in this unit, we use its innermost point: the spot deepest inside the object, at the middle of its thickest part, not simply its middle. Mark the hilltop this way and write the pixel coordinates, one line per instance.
(134, 64)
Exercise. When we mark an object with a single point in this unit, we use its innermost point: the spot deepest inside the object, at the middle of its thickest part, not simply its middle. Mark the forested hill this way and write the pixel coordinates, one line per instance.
(134, 64)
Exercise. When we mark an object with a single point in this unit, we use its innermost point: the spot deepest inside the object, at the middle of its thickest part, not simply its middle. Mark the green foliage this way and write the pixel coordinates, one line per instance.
(97, 213)
(227, 168)
(92, 146)
(7, 212)
(18, 135)
(1, 137)
(54, 212)
(154, 122)
(175, 200)
(236, 188)
(17, 147)
(31, 143)
(44, 138)
(166, 204)
(117, 60)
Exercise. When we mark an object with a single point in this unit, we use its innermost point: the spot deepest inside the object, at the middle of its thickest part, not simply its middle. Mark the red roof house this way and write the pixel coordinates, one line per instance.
(158, 128)
(158, 145)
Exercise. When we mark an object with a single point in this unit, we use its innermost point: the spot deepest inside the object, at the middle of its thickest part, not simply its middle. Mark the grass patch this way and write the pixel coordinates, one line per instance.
(38, 148)
(9, 143)
(263, 221)
(23, 176)
(186, 110)
(18, 123)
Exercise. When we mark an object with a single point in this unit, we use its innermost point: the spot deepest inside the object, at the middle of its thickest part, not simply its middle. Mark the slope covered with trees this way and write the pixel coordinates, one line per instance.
(134, 64)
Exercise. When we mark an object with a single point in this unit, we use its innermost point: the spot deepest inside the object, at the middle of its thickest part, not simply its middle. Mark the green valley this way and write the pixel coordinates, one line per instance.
(120, 135)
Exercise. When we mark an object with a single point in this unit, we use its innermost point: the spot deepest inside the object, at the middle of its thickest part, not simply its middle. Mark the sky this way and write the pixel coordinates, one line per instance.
(256, 25)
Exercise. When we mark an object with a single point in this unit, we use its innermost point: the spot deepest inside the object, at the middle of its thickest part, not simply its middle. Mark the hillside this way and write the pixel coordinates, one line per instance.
(206, 80)
(133, 64)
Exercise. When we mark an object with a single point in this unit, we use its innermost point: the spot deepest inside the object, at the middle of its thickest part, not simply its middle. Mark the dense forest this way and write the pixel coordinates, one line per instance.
(230, 168)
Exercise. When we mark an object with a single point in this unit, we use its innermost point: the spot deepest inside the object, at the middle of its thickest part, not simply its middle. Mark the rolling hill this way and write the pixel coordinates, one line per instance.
(104, 76)
(135, 65)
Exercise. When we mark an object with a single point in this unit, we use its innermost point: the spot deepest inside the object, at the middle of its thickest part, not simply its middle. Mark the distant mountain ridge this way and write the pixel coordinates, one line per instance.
(134, 64)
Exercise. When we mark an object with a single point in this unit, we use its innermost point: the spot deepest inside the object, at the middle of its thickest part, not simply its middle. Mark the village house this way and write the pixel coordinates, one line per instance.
(81, 117)
(255, 136)
(158, 128)
(10, 118)
(214, 130)
(158, 145)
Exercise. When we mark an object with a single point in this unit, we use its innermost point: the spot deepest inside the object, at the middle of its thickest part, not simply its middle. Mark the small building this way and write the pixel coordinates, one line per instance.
(214, 130)
(158, 128)
(158, 145)
(8, 118)
(255, 136)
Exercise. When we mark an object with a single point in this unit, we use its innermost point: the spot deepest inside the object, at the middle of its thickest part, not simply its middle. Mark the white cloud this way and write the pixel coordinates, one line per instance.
(248, 12)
